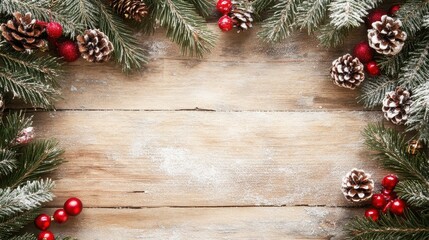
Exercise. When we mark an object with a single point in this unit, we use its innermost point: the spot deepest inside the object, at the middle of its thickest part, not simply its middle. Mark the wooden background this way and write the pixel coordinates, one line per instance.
(250, 142)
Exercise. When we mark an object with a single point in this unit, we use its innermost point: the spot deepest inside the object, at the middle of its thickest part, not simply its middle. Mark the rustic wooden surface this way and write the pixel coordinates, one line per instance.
(250, 142)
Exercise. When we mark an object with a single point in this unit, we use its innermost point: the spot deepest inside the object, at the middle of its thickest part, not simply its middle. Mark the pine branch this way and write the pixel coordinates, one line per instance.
(204, 7)
(127, 48)
(11, 126)
(26, 197)
(415, 70)
(331, 37)
(13, 224)
(392, 65)
(25, 87)
(412, 14)
(419, 114)
(390, 147)
(184, 26)
(350, 13)
(34, 160)
(261, 6)
(25, 236)
(81, 12)
(7, 162)
(374, 89)
(281, 24)
(311, 14)
(44, 70)
(414, 193)
(411, 227)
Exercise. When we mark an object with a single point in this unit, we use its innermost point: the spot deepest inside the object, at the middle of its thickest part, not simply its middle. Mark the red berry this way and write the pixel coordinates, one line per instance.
(374, 16)
(60, 216)
(43, 221)
(389, 181)
(45, 235)
(363, 51)
(372, 68)
(393, 9)
(54, 30)
(372, 213)
(398, 207)
(225, 23)
(73, 206)
(69, 51)
(224, 6)
(389, 194)
(378, 201)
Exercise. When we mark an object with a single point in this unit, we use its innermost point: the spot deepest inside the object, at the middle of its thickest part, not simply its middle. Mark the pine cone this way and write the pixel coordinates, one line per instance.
(386, 37)
(347, 72)
(241, 15)
(396, 105)
(131, 9)
(23, 33)
(94, 46)
(357, 186)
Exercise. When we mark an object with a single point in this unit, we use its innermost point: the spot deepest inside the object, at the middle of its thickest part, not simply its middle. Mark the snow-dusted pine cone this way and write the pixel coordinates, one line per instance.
(347, 71)
(241, 14)
(94, 46)
(386, 36)
(23, 33)
(357, 186)
(131, 9)
(396, 105)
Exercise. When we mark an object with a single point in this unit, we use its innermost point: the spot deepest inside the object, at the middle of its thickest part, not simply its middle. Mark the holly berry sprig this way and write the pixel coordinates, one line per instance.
(72, 207)
(387, 200)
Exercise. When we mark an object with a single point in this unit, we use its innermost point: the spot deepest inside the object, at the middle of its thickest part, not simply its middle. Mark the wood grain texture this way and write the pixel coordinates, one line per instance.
(242, 73)
(135, 159)
(209, 223)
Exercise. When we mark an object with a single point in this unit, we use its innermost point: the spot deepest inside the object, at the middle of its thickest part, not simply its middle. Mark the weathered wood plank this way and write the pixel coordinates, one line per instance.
(186, 84)
(120, 159)
(208, 223)
(242, 73)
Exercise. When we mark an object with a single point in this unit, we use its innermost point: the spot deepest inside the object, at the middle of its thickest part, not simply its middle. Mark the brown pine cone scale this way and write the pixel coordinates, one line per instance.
(347, 71)
(131, 9)
(94, 46)
(357, 186)
(386, 36)
(396, 105)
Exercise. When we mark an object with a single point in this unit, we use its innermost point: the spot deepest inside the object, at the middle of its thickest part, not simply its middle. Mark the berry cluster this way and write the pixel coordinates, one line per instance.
(363, 51)
(387, 200)
(72, 207)
(225, 22)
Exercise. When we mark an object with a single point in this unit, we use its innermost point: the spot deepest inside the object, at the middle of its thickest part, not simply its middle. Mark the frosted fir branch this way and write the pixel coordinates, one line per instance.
(281, 23)
(350, 13)
(311, 14)
(415, 70)
(419, 113)
(414, 193)
(184, 26)
(13, 224)
(26, 197)
(374, 89)
(412, 15)
(204, 7)
(261, 6)
(329, 36)
(7, 162)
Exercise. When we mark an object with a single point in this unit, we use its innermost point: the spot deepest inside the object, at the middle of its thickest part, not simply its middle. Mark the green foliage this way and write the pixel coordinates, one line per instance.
(204, 7)
(22, 191)
(127, 50)
(415, 227)
(282, 22)
(261, 6)
(311, 14)
(350, 13)
(374, 89)
(390, 150)
(184, 26)
(419, 114)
